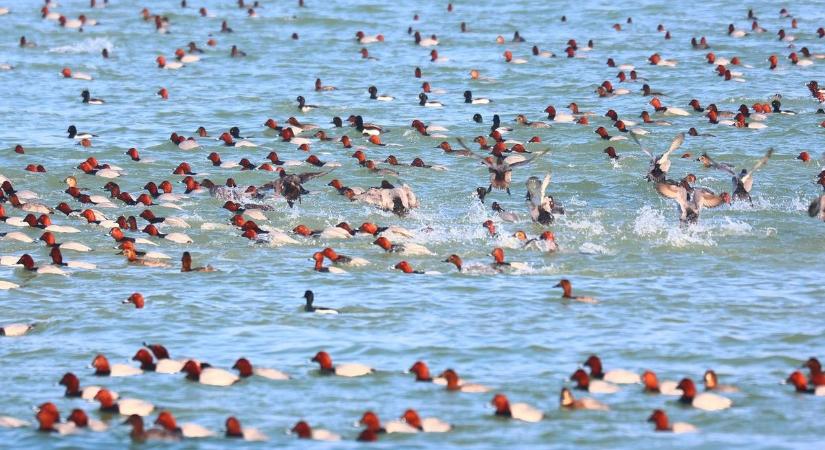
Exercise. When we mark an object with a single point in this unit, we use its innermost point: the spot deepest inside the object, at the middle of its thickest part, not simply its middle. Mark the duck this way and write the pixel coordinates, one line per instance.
(584, 383)
(705, 401)
(427, 424)
(234, 430)
(73, 389)
(568, 292)
(103, 368)
(320, 86)
(456, 384)
(660, 165)
(616, 376)
(399, 200)
(318, 257)
(178, 238)
(800, 384)
(16, 329)
(652, 385)
(170, 65)
(48, 419)
(408, 248)
(57, 260)
(712, 383)
(87, 98)
(185, 58)
(541, 206)
(82, 421)
(381, 98)
(140, 434)
(553, 116)
(468, 98)
(245, 370)
(522, 120)
(647, 120)
(508, 57)
(422, 372)
(373, 423)
(500, 264)
(304, 431)
(163, 364)
(691, 200)
(817, 376)
(799, 62)
(743, 181)
(309, 296)
(335, 258)
(210, 376)
(475, 268)
(123, 406)
(517, 411)
(79, 135)
(186, 265)
(656, 60)
(735, 33)
(186, 430)
(302, 106)
(669, 110)
(567, 401)
(368, 39)
(423, 101)
(28, 264)
(659, 417)
(70, 23)
(229, 142)
(431, 41)
(342, 370)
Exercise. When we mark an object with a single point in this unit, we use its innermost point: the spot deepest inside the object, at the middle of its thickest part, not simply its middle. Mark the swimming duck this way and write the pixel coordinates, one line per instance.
(456, 384)
(140, 434)
(408, 248)
(170, 65)
(186, 265)
(229, 142)
(163, 364)
(373, 423)
(234, 430)
(817, 376)
(245, 370)
(663, 424)
(425, 42)
(16, 329)
(508, 57)
(28, 264)
(82, 421)
(522, 120)
(567, 401)
(123, 406)
(187, 430)
(800, 384)
(342, 370)
(381, 98)
(320, 87)
(103, 368)
(427, 424)
(468, 98)
(423, 101)
(302, 106)
(309, 296)
(368, 39)
(667, 110)
(304, 431)
(79, 135)
(712, 383)
(568, 292)
(517, 411)
(208, 375)
(705, 401)
(87, 98)
(652, 385)
(584, 383)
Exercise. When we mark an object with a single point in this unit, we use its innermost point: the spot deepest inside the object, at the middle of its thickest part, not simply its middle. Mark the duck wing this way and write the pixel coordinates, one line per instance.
(304, 177)
(670, 189)
(636, 140)
(674, 145)
(704, 197)
(747, 180)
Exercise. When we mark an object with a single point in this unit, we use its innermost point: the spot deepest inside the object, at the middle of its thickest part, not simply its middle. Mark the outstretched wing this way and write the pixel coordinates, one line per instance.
(635, 139)
(816, 206)
(532, 158)
(304, 177)
(674, 145)
(707, 198)
(718, 166)
(472, 153)
(669, 189)
(747, 180)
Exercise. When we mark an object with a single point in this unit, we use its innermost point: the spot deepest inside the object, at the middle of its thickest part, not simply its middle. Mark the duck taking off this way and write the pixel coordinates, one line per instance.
(659, 165)
(542, 206)
(743, 181)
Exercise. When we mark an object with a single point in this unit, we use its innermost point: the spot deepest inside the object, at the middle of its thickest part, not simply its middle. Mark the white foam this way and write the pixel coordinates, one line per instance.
(93, 45)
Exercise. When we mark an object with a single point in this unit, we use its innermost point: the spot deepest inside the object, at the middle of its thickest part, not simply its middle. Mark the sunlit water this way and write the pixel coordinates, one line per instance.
(740, 292)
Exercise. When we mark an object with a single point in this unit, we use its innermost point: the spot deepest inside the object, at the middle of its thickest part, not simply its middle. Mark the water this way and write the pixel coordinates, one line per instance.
(738, 293)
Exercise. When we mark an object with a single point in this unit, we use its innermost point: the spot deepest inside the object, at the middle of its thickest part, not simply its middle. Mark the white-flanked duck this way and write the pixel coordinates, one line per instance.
(309, 296)
(517, 411)
(427, 424)
(208, 375)
(245, 370)
(705, 401)
(235, 430)
(408, 248)
(304, 431)
(616, 376)
(123, 406)
(28, 264)
(16, 329)
(595, 386)
(370, 420)
(456, 384)
(663, 424)
(87, 393)
(104, 369)
(342, 370)
(653, 386)
(187, 430)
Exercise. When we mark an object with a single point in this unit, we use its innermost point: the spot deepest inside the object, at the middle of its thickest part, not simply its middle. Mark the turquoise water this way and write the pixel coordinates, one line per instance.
(739, 292)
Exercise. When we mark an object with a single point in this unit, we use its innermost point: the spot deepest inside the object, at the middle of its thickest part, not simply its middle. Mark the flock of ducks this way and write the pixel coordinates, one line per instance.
(155, 358)
(248, 207)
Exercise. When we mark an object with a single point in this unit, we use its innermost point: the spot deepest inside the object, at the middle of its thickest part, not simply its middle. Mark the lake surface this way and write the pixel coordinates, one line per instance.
(740, 292)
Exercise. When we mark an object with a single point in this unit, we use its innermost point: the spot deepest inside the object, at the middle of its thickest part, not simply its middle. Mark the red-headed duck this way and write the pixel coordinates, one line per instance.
(140, 434)
(663, 424)
(800, 384)
(568, 292)
(817, 376)
(186, 265)
(342, 370)
(123, 406)
(82, 421)
(427, 424)
(652, 385)
(616, 376)
(517, 411)
(595, 386)
(304, 431)
(245, 370)
(187, 430)
(712, 383)
(405, 248)
(234, 430)
(103, 368)
(455, 384)
(705, 401)
(208, 375)
(73, 389)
